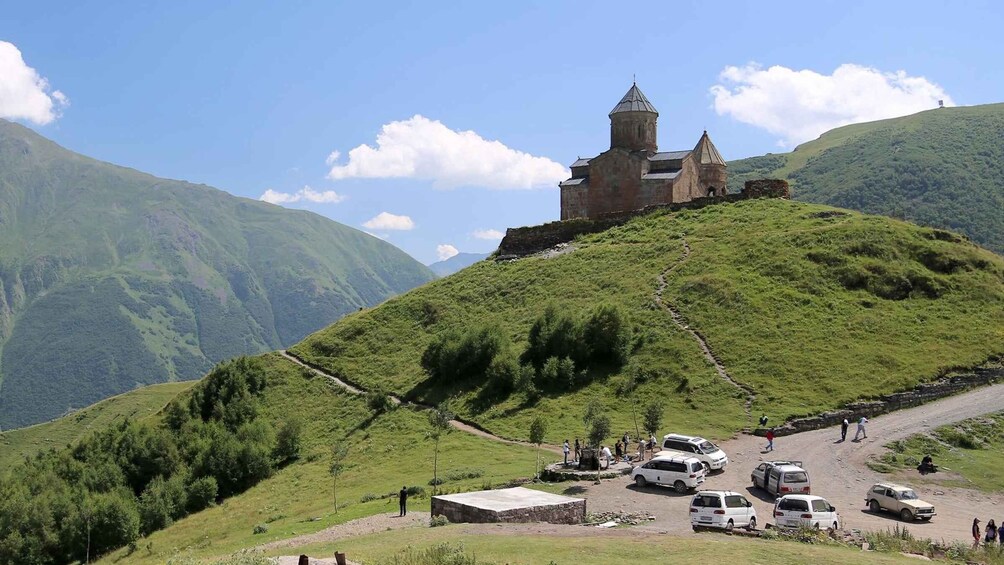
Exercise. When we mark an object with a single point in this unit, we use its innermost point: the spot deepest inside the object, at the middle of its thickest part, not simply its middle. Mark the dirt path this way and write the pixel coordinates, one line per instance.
(838, 471)
(681, 322)
(468, 427)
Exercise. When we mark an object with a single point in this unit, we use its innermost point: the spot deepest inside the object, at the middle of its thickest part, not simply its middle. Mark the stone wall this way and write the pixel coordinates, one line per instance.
(916, 396)
(565, 513)
(520, 242)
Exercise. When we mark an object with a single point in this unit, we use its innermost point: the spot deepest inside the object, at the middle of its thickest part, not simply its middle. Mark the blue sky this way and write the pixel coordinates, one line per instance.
(256, 96)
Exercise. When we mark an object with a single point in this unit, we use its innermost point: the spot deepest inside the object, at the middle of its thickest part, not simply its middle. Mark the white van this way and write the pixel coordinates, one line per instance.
(795, 510)
(721, 509)
(682, 472)
(707, 452)
(781, 477)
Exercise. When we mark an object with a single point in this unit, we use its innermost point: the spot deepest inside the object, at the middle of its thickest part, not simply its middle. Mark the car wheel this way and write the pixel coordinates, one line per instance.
(680, 487)
(754, 482)
(906, 515)
(752, 524)
(873, 505)
(696, 529)
(730, 526)
(815, 526)
(640, 481)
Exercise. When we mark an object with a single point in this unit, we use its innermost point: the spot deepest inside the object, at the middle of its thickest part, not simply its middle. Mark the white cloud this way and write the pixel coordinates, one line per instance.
(445, 251)
(305, 193)
(24, 94)
(800, 105)
(426, 149)
(488, 234)
(388, 221)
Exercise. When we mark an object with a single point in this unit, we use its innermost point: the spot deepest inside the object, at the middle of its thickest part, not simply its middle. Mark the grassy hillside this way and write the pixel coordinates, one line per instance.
(111, 278)
(938, 168)
(138, 404)
(808, 306)
(455, 263)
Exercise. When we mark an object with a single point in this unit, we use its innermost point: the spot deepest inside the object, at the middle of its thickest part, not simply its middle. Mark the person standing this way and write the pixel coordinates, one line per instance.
(605, 451)
(843, 429)
(641, 449)
(402, 499)
(618, 450)
(578, 450)
(565, 449)
(770, 439)
(976, 533)
(861, 428)
(627, 441)
(991, 533)
(1000, 533)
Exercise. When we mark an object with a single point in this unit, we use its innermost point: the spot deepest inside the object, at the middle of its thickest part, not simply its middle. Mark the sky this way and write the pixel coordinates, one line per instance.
(438, 125)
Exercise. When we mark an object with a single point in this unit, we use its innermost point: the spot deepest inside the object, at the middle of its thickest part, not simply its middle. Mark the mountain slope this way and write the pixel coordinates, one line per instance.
(939, 168)
(111, 278)
(455, 263)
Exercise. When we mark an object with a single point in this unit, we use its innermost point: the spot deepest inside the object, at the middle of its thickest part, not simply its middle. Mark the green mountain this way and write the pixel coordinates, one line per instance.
(940, 168)
(455, 263)
(111, 278)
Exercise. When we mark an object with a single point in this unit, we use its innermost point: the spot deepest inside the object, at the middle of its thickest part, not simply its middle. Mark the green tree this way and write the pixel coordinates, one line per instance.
(599, 429)
(538, 429)
(607, 335)
(287, 441)
(439, 424)
(339, 452)
(653, 417)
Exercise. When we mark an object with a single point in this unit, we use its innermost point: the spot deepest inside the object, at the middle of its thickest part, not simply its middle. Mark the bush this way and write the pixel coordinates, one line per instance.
(260, 528)
(607, 336)
(379, 401)
(457, 356)
(553, 334)
(201, 494)
(287, 441)
(438, 520)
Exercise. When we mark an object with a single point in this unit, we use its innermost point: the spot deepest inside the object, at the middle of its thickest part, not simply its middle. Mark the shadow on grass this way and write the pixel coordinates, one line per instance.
(662, 491)
(574, 489)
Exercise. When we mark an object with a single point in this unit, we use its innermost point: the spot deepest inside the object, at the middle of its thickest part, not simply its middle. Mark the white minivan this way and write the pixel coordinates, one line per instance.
(707, 452)
(681, 472)
(795, 510)
(781, 477)
(721, 509)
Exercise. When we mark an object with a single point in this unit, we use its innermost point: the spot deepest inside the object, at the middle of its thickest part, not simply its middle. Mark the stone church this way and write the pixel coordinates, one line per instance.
(633, 174)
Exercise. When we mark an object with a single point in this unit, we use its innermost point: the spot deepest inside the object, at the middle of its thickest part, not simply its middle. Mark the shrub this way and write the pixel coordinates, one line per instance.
(607, 336)
(201, 494)
(379, 401)
(416, 491)
(438, 520)
(456, 356)
(287, 441)
(260, 528)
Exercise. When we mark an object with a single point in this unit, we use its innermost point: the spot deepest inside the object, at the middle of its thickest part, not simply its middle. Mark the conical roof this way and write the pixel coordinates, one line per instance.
(634, 101)
(705, 152)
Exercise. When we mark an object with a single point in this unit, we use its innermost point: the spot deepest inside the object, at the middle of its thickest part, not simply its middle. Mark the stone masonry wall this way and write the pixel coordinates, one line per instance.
(565, 513)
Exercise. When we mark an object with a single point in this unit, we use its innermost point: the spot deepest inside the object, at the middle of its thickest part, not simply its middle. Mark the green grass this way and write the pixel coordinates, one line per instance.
(114, 279)
(969, 454)
(938, 168)
(809, 306)
(137, 404)
(591, 546)
(385, 452)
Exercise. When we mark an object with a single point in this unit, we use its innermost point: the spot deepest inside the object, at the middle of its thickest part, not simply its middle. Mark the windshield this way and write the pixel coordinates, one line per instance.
(707, 447)
(907, 495)
(796, 477)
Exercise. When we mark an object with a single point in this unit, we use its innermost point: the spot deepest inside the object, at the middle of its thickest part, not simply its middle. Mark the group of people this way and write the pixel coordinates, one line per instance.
(860, 431)
(622, 449)
(991, 535)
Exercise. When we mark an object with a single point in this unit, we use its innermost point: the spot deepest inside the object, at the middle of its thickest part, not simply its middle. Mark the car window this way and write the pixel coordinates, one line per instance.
(890, 493)
(819, 505)
(774, 473)
(798, 505)
(734, 501)
(796, 477)
(678, 467)
(908, 495)
(706, 501)
(649, 465)
(696, 467)
(878, 490)
(761, 467)
(707, 447)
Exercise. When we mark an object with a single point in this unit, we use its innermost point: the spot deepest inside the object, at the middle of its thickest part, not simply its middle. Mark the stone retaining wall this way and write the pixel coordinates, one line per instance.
(947, 386)
(573, 512)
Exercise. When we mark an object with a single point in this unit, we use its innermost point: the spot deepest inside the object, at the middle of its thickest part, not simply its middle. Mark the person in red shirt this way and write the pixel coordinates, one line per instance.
(770, 439)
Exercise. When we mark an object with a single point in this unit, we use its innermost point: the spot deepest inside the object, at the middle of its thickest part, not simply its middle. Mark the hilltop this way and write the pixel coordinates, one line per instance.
(123, 279)
(455, 263)
(939, 168)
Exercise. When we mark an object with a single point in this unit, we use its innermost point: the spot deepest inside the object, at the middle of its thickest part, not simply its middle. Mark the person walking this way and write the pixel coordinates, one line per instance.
(770, 439)
(843, 429)
(402, 499)
(861, 428)
(976, 533)
(565, 449)
(990, 537)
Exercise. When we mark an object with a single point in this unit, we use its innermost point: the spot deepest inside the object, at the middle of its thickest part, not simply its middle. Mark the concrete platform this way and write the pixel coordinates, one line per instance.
(516, 504)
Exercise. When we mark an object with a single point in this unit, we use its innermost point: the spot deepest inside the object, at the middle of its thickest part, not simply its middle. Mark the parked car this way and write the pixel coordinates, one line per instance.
(899, 500)
(795, 510)
(682, 472)
(781, 477)
(708, 453)
(721, 509)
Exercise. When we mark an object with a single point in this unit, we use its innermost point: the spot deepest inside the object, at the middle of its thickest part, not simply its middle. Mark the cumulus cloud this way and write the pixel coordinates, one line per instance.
(24, 94)
(445, 251)
(306, 193)
(421, 148)
(488, 234)
(799, 105)
(388, 221)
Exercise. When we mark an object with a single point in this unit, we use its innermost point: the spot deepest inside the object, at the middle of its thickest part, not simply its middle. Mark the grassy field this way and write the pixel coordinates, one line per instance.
(809, 306)
(592, 547)
(138, 404)
(969, 454)
(385, 452)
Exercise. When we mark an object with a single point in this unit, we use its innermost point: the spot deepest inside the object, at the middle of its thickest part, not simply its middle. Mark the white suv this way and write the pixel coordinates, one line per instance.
(707, 452)
(721, 509)
(682, 472)
(795, 510)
